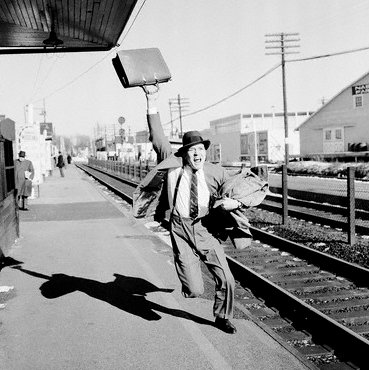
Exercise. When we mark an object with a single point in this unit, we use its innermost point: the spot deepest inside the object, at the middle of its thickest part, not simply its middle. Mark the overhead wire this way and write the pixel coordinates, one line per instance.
(45, 77)
(36, 78)
(76, 78)
(134, 20)
(213, 104)
(95, 64)
(264, 75)
(227, 97)
(327, 55)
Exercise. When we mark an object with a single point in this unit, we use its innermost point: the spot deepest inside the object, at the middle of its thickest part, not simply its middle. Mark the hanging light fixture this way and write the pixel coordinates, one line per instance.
(52, 40)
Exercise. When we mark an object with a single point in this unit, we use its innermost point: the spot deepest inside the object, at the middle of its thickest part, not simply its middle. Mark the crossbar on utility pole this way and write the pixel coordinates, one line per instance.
(279, 42)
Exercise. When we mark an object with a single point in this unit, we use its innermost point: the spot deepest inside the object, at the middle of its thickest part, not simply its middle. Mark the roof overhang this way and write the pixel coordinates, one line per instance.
(39, 26)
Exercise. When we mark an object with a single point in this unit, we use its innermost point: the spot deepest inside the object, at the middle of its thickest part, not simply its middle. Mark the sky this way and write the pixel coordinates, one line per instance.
(213, 48)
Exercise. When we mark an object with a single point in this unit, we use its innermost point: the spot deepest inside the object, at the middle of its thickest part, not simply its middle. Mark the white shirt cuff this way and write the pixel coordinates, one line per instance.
(152, 110)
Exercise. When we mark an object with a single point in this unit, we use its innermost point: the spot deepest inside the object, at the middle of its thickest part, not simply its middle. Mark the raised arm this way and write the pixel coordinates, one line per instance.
(159, 141)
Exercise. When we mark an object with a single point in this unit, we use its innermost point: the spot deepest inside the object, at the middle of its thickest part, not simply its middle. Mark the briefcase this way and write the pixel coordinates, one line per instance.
(140, 67)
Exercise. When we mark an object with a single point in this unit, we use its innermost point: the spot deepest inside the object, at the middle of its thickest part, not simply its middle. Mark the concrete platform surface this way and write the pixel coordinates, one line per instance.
(96, 289)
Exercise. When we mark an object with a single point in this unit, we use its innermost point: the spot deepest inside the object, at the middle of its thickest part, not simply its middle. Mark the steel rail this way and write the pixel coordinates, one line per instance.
(358, 274)
(318, 324)
(294, 210)
(323, 207)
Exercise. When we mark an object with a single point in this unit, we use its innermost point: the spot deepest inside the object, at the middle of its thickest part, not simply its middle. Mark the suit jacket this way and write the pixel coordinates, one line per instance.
(60, 162)
(149, 199)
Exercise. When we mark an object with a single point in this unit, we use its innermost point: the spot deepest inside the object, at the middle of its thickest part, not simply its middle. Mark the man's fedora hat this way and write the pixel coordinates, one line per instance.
(22, 153)
(189, 139)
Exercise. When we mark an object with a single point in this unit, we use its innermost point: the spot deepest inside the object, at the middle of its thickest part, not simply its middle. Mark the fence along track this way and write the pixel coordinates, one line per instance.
(319, 298)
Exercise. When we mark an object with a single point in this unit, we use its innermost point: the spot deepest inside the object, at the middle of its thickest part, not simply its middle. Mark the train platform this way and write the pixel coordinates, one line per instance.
(91, 287)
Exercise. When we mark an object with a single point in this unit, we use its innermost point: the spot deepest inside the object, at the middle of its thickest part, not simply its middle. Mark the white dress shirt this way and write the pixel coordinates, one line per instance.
(182, 206)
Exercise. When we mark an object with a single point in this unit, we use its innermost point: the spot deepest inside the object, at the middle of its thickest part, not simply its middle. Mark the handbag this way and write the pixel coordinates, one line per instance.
(140, 67)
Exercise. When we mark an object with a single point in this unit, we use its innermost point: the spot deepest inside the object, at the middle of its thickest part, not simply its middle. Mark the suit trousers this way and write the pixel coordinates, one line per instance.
(191, 244)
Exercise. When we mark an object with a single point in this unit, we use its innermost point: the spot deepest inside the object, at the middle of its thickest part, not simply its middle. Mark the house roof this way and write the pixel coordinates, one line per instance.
(35, 26)
(331, 100)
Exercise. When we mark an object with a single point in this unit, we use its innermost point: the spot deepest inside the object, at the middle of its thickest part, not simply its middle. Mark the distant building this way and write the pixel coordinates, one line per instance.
(233, 137)
(341, 124)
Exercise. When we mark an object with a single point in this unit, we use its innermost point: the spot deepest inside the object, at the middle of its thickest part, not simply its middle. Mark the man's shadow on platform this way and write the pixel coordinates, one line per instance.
(8, 261)
(127, 293)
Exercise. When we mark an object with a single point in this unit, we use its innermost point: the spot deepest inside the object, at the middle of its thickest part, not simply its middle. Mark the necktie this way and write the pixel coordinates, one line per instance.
(194, 206)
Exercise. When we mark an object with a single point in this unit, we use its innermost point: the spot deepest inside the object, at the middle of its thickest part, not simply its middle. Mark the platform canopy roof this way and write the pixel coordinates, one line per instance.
(42, 26)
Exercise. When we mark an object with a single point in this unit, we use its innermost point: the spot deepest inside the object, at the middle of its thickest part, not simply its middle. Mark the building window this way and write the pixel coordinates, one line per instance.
(358, 101)
(328, 135)
(338, 134)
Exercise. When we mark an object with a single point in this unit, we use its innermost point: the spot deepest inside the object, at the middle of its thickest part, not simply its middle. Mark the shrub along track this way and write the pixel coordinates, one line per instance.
(314, 301)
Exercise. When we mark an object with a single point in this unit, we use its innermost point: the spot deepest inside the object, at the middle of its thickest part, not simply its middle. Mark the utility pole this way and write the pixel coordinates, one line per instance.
(179, 105)
(43, 111)
(171, 119)
(281, 43)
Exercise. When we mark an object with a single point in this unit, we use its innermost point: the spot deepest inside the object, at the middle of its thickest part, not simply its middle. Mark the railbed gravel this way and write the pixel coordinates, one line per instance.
(318, 237)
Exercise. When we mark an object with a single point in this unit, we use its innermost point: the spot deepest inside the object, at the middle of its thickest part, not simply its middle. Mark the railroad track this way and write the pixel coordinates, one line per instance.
(325, 214)
(317, 303)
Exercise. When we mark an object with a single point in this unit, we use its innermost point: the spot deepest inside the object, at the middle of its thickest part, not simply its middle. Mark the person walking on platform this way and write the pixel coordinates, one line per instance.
(190, 185)
(61, 164)
(69, 158)
(24, 173)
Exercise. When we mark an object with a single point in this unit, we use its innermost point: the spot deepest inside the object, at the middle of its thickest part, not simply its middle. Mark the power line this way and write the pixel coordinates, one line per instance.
(328, 55)
(45, 78)
(134, 20)
(266, 73)
(76, 78)
(36, 78)
(231, 95)
(94, 65)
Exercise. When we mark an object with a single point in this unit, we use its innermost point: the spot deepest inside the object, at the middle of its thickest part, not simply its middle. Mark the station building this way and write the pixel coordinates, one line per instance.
(9, 224)
(340, 126)
(243, 136)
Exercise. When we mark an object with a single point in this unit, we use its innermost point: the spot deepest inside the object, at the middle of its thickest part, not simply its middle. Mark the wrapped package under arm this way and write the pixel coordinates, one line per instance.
(249, 190)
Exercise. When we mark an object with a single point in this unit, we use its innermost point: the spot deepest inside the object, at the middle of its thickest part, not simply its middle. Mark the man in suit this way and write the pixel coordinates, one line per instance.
(190, 187)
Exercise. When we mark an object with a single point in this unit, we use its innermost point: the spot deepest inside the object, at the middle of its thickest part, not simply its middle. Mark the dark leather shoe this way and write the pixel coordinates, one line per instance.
(225, 325)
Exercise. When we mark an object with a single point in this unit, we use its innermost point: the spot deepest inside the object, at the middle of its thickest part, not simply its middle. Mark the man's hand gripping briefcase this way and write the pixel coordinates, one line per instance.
(141, 67)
